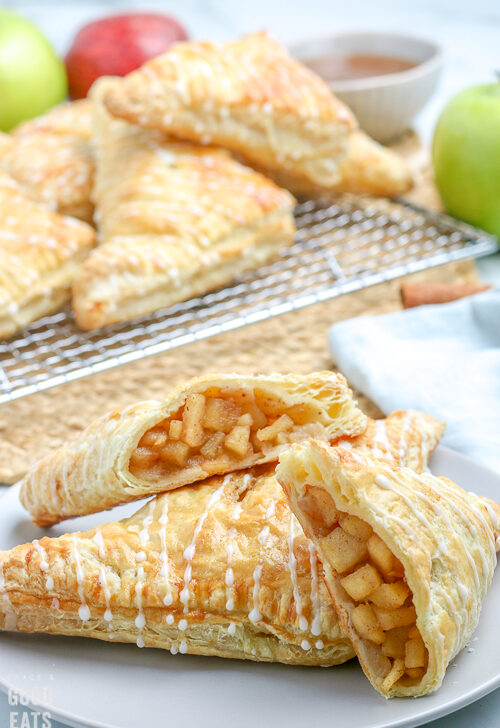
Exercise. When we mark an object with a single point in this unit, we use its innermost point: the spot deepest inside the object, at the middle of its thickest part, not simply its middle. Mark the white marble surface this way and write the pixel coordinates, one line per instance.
(468, 30)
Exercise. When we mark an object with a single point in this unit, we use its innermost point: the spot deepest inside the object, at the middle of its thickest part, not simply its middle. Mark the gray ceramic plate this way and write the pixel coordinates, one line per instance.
(88, 683)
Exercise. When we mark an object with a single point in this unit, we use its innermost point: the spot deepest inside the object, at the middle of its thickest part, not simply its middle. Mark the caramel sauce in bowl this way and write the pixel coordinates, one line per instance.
(386, 79)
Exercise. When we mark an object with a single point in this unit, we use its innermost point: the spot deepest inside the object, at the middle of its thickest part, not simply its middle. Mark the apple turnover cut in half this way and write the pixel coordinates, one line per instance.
(212, 425)
(251, 96)
(220, 568)
(405, 437)
(51, 158)
(408, 559)
(175, 220)
(40, 254)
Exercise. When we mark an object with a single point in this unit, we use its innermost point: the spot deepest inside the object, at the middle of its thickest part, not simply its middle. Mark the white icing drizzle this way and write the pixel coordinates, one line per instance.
(305, 645)
(108, 616)
(183, 647)
(232, 628)
(44, 565)
(255, 615)
(169, 619)
(263, 535)
(319, 644)
(100, 543)
(380, 438)
(190, 550)
(84, 611)
(292, 568)
(313, 560)
(165, 564)
(183, 625)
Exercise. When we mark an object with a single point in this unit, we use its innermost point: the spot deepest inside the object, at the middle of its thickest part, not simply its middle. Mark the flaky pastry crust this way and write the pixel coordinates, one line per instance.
(408, 559)
(219, 568)
(151, 447)
(40, 254)
(175, 220)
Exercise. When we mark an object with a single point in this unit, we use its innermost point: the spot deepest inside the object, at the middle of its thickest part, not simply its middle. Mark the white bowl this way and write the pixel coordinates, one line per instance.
(384, 105)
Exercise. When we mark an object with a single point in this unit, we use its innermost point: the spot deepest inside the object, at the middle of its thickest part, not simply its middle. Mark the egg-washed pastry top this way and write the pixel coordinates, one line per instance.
(215, 424)
(40, 254)
(218, 568)
(408, 559)
(175, 220)
(51, 158)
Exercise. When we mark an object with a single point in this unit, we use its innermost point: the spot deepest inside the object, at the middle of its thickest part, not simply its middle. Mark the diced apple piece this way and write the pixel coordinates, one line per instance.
(361, 582)
(238, 440)
(143, 457)
(192, 420)
(269, 405)
(355, 526)
(380, 554)
(395, 642)
(416, 673)
(175, 430)
(245, 419)
(175, 452)
(391, 596)
(246, 400)
(391, 618)
(282, 424)
(414, 632)
(212, 446)
(221, 415)
(320, 510)
(343, 550)
(366, 624)
(396, 672)
(214, 467)
(154, 439)
(415, 653)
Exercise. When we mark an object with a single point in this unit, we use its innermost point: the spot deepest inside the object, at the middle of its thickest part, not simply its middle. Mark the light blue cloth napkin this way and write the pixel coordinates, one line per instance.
(443, 359)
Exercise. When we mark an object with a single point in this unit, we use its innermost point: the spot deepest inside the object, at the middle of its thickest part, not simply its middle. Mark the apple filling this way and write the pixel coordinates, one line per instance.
(371, 586)
(220, 430)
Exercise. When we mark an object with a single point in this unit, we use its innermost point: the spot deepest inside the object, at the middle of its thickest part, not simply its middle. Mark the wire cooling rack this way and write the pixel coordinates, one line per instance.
(339, 248)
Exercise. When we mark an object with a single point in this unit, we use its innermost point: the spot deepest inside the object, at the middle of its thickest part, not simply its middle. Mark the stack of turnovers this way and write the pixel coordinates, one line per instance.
(219, 567)
(408, 559)
(51, 158)
(174, 219)
(40, 252)
(251, 97)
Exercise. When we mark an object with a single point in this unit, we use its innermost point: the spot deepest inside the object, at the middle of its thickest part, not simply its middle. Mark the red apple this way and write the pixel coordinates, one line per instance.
(116, 45)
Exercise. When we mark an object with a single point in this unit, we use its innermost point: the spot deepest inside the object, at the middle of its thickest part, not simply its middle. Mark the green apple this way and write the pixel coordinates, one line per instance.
(32, 77)
(466, 156)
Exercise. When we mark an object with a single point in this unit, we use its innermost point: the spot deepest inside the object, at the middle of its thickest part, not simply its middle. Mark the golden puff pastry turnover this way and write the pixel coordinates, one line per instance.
(221, 568)
(51, 158)
(248, 95)
(408, 559)
(405, 437)
(175, 220)
(212, 425)
(40, 254)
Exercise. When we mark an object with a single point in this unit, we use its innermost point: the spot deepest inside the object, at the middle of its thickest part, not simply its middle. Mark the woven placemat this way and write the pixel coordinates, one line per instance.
(296, 342)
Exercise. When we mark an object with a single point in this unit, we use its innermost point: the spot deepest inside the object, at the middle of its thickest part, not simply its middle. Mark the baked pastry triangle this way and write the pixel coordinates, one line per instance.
(51, 158)
(212, 425)
(175, 221)
(40, 254)
(408, 559)
(250, 96)
(406, 438)
(220, 568)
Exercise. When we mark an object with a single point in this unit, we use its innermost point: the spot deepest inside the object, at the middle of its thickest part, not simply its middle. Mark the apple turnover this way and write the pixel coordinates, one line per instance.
(175, 220)
(40, 254)
(251, 97)
(221, 568)
(408, 559)
(51, 158)
(212, 425)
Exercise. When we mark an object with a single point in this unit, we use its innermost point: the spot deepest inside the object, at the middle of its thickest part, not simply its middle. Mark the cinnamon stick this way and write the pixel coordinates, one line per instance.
(420, 294)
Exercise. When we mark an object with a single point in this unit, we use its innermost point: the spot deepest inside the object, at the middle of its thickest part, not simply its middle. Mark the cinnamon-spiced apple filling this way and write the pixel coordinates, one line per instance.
(221, 429)
(371, 588)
